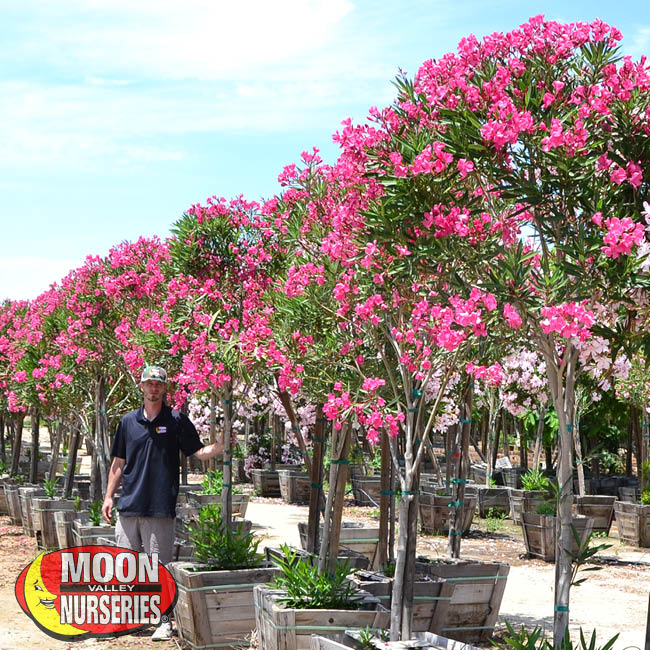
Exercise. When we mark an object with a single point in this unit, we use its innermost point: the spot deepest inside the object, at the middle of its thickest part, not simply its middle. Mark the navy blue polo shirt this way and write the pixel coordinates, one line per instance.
(150, 476)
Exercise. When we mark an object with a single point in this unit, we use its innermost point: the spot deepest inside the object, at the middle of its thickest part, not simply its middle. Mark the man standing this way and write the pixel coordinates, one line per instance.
(145, 462)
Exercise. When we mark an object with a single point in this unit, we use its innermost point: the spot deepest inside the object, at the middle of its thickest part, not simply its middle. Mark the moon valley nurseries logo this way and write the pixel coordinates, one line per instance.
(95, 591)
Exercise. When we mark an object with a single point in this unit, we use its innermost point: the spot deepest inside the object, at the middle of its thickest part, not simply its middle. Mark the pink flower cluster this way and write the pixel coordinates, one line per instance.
(569, 320)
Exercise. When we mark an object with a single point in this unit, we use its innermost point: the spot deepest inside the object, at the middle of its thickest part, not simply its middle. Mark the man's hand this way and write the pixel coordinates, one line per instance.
(107, 510)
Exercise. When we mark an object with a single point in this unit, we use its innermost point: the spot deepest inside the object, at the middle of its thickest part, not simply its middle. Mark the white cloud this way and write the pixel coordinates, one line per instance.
(639, 43)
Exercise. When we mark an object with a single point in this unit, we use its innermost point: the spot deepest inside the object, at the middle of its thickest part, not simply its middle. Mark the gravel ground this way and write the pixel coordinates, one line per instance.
(612, 600)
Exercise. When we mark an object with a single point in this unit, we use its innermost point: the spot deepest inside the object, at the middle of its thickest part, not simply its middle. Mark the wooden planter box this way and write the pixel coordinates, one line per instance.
(524, 501)
(183, 497)
(496, 498)
(629, 494)
(63, 526)
(539, 534)
(266, 482)
(354, 537)
(425, 641)
(430, 597)
(215, 608)
(472, 612)
(366, 490)
(435, 512)
(85, 534)
(4, 508)
(599, 507)
(633, 523)
(239, 501)
(25, 496)
(295, 487)
(13, 502)
(282, 628)
(512, 476)
(43, 520)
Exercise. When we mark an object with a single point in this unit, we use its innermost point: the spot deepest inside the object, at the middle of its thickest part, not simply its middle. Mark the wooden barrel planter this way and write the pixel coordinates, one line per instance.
(471, 614)
(239, 501)
(4, 508)
(13, 503)
(85, 534)
(539, 534)
(366, 490)
(629, 494)
(524, 501)
(43, 520)
(295, 487)
(633, 523)
(496, 499)
(512, 476)
(354, 537)
(599, 507)
(435, 513)
(25, 496)
(266, 482)
(215, 609)
(282, 628)
(63, 526)
(430, 594)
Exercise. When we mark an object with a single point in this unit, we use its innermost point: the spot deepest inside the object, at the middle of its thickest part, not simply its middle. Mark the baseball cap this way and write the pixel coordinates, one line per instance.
(154, 373)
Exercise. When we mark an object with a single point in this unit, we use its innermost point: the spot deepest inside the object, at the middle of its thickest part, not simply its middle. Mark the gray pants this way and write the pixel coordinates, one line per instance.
(148, 534)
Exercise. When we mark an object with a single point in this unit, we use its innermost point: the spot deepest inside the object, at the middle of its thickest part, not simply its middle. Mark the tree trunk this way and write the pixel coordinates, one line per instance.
(329, 546)
(578, 451)
(645, 440)
(36, 429)
(58, 434)
(384, 501)
(18, 439)
(490, 447)
(316, 497)
(538, 438)
(101, 432)
(461, 465)
(75, 439)
(497, 432)
(562, 389)
(291, 414)
(226, 494)
(3, 456)
(212, 463)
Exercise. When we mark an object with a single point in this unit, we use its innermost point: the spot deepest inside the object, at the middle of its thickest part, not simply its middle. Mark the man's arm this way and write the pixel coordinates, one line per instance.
(209, 451)
(114, 480)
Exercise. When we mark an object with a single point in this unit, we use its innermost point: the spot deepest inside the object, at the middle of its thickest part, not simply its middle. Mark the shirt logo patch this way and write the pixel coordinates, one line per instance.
(161, 429)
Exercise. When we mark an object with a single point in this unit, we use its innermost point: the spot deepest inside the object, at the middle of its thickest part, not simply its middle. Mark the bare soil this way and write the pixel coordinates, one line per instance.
(613, 600)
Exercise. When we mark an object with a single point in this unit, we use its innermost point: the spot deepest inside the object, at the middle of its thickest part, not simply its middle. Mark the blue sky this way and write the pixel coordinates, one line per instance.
(117, 115)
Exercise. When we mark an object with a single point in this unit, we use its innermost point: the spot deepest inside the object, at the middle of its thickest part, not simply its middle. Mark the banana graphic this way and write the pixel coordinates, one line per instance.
(41, 602)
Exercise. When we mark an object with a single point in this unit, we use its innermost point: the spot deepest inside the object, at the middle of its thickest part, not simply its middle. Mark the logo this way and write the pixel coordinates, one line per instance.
(161, 429)
(95, 591)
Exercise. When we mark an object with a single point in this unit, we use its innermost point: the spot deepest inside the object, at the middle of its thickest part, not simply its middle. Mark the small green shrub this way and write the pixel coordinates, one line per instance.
(218, 547)
(50, 488)
(645, 475)
(389, 571)
(534, 479)
(212, 483)
(546, 508)
(494, 520)
(95, 513)
(3, 467)
(77, 504)
(534, 640)
(645, 497)
(308, 589)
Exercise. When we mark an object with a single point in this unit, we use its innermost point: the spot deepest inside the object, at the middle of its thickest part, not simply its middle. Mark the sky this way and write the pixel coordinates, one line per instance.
(116, 116)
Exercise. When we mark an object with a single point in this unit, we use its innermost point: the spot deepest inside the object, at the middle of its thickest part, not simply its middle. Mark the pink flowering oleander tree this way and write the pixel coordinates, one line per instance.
(407, 309)
(554, 127)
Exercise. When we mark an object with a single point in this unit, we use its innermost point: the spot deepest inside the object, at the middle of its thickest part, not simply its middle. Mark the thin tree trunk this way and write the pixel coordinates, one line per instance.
(101, 437)
(291, 414)
(316, 493)
(497, 433)
(578, 451)
(644, 451)
(226, 494)
(538, 438)
(212, 463)
(384, 501)
(75, 439)
(490, 448)
(58, 434)
(18, 439)
(3, 455)
(36, 428)
(458, 491)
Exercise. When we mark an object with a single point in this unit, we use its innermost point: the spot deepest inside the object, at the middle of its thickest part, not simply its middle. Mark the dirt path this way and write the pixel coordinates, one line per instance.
(613, 600)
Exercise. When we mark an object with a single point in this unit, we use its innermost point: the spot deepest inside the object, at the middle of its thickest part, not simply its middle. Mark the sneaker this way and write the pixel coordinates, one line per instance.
(163, 632)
